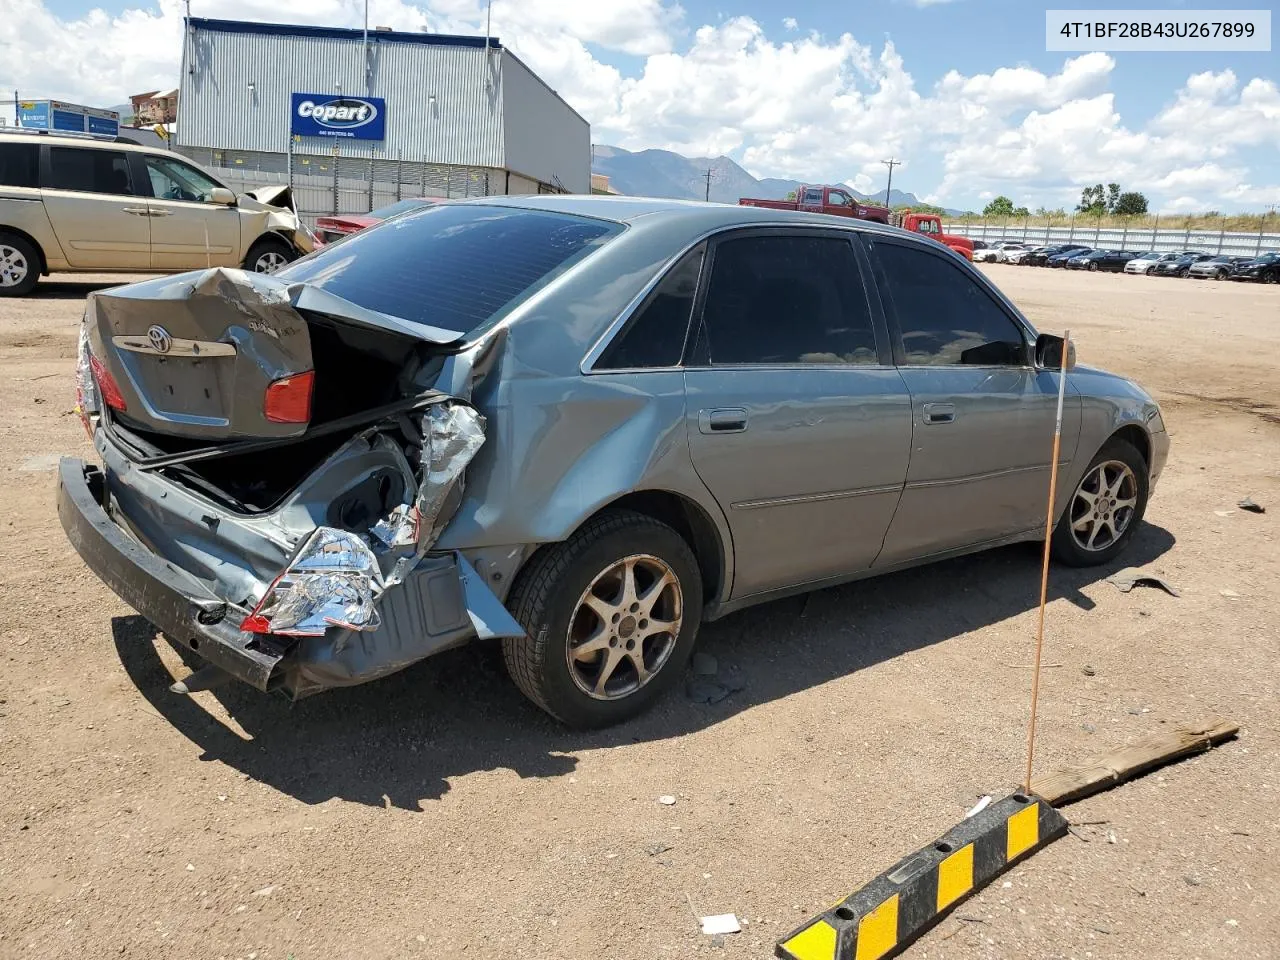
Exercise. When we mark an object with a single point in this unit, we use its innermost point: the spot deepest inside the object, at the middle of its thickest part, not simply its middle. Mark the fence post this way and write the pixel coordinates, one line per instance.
(1155, 230)
(399, 173)
(1222, 234)
(370, 199)
(422, 178)
(448, 183)
(1262, 225)
(1072, 235)
(1186, 237)
(1097, 231)
(1026, 222)
(335, 178)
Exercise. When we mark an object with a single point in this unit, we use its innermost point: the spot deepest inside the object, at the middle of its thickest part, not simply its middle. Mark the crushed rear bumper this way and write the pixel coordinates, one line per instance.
(442, 603)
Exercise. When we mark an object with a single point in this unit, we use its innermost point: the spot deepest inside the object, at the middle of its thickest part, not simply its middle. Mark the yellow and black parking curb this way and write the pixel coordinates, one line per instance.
(898, 906)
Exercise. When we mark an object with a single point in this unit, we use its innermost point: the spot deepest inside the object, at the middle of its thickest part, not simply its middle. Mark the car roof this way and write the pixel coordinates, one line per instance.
(695, 214)
(66, 140)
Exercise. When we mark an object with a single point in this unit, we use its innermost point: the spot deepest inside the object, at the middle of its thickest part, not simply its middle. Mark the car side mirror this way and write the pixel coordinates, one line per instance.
(222, 196)
(1049, 352)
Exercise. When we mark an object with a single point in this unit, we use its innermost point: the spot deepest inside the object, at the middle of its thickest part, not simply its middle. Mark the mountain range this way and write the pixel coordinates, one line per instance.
(661, 173)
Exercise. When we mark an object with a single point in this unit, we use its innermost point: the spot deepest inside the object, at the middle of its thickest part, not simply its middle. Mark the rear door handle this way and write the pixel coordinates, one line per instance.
(939, 413)
(723, 420)
(136, 211)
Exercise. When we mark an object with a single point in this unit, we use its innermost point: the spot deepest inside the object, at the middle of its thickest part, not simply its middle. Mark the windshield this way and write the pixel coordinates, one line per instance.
(402, 206)
(455, 266)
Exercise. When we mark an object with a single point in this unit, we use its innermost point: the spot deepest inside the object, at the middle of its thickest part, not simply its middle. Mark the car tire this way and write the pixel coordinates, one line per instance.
(1220, 275)
(550, 599)
(268, 255)
(1117, 467)
(19, 266)
(1093, 266)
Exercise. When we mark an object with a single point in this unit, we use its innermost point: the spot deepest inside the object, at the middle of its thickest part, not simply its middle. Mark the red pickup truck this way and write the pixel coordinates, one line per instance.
(930, 226)
(812, 198)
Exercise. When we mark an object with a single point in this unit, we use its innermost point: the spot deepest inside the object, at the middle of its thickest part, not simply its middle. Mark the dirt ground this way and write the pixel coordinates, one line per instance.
(436, 814)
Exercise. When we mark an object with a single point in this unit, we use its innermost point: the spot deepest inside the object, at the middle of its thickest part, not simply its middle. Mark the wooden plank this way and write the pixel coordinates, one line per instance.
(1075, 783)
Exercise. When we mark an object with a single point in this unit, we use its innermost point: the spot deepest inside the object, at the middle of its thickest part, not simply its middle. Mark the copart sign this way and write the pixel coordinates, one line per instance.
(338, 115)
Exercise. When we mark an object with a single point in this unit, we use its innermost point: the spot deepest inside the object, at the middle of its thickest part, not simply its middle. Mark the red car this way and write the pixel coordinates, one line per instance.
(329, 229)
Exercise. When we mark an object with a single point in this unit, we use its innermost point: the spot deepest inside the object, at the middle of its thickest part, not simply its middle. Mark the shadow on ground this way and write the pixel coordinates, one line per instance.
(399, 740)
(75, 289)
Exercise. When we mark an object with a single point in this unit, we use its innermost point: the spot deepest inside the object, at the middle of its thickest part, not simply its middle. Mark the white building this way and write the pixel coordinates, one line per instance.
(355, 120)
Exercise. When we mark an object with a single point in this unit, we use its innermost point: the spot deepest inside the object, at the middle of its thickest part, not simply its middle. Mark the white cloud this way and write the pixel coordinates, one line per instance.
(806, 106)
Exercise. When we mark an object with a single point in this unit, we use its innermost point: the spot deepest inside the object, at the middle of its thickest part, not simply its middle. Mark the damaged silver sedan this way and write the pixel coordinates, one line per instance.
(577, 425)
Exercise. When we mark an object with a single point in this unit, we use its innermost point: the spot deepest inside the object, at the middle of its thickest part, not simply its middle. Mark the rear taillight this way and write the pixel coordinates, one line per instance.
(288, 400)
(107, 385)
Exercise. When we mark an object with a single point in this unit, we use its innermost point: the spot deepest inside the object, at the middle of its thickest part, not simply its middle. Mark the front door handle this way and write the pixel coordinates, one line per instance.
(939, 413)
(723, 420)
(136, 211)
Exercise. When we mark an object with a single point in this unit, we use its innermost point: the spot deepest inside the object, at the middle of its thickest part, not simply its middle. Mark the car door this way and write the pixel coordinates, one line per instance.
(97, 210)
(798, 422)
(983, 415)
(189, 230)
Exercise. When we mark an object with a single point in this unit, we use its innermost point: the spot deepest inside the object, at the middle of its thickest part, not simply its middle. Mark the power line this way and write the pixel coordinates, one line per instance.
(890, 164)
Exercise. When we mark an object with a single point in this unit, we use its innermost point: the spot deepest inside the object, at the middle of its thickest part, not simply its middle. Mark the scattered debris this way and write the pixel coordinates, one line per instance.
(1088, 728)
(1230, 594)
(1088, 671)
(1111, 836)
(265, 891)
(1223, 513)
(1252, 507)
(1191, 881)
(704, 664)
(979, 806)
(1077, 834)
(1106, 930)
(703, 690)
(667, 800)
(1130, 577)
(720, 924)
(191, 866)
(658, 848)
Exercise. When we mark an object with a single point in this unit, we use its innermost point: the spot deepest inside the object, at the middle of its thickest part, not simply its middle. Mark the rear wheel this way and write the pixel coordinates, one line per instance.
(611, 616)
(269, 255)
(1105, 508)
(19, 266)
(1093, 265)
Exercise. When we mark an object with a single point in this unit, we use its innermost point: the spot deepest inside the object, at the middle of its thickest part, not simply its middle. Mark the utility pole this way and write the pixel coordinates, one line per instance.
(707, 177)
(890, 164)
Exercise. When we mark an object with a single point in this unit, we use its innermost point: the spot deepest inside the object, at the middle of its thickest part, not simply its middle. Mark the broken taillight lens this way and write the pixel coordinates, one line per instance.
(110, 390)
(332, 582)
(288, 400)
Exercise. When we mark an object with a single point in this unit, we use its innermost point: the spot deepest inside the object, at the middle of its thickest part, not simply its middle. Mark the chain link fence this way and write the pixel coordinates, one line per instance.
(330, 183)
(1137, 238)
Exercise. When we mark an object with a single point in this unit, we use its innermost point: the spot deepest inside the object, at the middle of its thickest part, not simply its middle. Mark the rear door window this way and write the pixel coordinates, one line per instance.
(944, 315)
(19, 165)
(90, 171)
(787, 300)
(453, 266)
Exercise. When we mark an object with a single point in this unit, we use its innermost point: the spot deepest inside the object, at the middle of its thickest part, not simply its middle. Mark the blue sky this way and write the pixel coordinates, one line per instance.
(963, 91)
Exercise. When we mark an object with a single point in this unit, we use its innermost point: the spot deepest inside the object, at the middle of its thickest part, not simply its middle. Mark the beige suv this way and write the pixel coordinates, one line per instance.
(71, 203)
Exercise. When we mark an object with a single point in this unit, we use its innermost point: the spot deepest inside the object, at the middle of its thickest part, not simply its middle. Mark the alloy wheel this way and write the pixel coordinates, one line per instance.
(624, 627)
(1103, 505)
(13, 266)
(269, 262)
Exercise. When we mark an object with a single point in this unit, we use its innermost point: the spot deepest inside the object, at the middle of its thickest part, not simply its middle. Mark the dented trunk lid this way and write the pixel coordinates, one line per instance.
(196, 355)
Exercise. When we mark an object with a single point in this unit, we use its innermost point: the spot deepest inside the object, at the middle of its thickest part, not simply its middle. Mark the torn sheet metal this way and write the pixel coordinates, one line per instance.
(452, 434)
(333, 581)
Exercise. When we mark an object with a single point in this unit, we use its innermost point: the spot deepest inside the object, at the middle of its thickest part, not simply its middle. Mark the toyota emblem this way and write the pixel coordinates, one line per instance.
(160, 340)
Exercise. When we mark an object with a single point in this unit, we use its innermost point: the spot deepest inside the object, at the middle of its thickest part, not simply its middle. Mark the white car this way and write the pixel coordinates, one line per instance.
(1145, 262)
(997, 252)
(1015, 256)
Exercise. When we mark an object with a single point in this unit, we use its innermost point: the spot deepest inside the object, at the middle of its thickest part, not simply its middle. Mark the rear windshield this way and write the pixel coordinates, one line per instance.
(454, 266)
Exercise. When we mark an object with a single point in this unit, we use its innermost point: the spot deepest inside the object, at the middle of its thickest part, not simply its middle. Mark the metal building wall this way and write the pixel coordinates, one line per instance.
(461, 126)
(546, 139)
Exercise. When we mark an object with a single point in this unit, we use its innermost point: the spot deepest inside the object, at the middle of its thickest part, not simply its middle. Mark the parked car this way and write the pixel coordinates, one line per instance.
(1263, 269)
(1179, 266)
(1060, 259)
(79, 204)
(979, 245)
(330, 229)
(1019, 257)
(1216, 268)
(1112, 261)
(581, 425)
(1040, 257)
(1144, 263)
(997, 252)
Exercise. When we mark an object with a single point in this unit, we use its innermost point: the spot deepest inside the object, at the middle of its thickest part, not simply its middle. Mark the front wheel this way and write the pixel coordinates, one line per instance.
(1093, 265)
(1105, 508)
(611, 616)
(269, 255)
